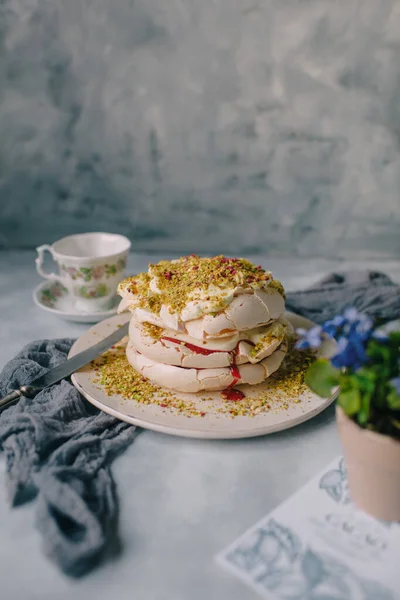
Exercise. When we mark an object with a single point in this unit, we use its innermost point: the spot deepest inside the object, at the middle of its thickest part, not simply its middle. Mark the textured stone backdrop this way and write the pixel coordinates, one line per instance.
(203, 125)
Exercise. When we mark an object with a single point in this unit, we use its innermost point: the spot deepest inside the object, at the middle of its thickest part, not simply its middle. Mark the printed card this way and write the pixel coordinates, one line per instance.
(318, 546)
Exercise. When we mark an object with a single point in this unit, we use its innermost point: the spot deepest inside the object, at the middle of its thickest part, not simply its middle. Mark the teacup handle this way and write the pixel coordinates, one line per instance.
(39, 262)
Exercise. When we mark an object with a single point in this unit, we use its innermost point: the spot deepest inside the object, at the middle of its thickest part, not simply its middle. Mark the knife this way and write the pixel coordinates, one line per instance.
(64, 369)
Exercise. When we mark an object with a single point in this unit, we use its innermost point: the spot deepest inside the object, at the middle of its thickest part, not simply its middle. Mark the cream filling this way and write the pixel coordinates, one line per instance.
(198, 380)
(181, 349)
(245, 311)
(212, 300)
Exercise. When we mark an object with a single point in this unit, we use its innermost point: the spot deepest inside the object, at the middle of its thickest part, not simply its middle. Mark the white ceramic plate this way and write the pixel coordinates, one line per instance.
(212, 425)
(54, 298)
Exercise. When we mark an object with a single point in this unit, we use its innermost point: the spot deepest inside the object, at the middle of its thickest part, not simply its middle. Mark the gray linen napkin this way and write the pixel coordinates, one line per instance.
(370, 292)
(59, 447)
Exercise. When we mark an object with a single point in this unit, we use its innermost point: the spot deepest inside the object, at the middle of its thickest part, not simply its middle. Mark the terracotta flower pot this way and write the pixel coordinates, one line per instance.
(373, 465)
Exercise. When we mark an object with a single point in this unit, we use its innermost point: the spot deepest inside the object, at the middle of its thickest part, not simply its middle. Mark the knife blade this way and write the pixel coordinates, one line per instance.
(65, 369)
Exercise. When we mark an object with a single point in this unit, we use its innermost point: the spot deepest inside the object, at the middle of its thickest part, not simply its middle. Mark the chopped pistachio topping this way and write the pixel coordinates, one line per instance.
(284, 387)
(175, 283)
(275, 332)
(116, 377)
(153, 331)
(276, 285)
(139, 286)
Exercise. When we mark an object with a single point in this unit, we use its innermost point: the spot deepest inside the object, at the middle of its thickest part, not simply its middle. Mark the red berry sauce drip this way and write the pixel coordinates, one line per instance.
(232, 395)
(206, 351)
(235, 374)
(192, 347)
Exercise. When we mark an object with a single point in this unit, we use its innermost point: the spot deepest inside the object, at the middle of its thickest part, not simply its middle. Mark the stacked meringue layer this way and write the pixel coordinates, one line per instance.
(205, 324)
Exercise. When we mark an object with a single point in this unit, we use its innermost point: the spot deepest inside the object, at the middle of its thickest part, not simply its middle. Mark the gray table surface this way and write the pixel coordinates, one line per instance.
(181, 500)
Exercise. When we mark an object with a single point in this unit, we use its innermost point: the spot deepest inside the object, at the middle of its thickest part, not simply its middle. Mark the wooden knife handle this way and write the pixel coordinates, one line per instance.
(11, 397)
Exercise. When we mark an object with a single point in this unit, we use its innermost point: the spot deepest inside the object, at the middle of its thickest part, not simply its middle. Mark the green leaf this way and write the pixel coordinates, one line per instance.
(393, 400)
(366, 378)
(364, 412)
(378, 352)
(321, 377)
(394, 337)
(350, 401)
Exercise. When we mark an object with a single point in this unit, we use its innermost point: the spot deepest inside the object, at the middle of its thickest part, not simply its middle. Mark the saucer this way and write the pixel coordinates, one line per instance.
(55, 298)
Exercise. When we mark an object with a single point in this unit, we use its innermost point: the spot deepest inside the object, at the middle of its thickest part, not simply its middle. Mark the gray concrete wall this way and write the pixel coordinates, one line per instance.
(203, 125)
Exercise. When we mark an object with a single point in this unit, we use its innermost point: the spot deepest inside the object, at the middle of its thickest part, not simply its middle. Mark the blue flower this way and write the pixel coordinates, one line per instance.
(351, 353)
(396, 384)
(351, 321)
(361, 326)
(352, 329)
(352, 315)
(311, 338)
(331, 327)
(364, 328)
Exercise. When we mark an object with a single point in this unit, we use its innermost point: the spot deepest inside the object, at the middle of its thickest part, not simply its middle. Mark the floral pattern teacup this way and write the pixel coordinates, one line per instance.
(91, 265)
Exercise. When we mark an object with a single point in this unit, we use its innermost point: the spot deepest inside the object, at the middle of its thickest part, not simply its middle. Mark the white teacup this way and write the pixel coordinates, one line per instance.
(91, 266)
